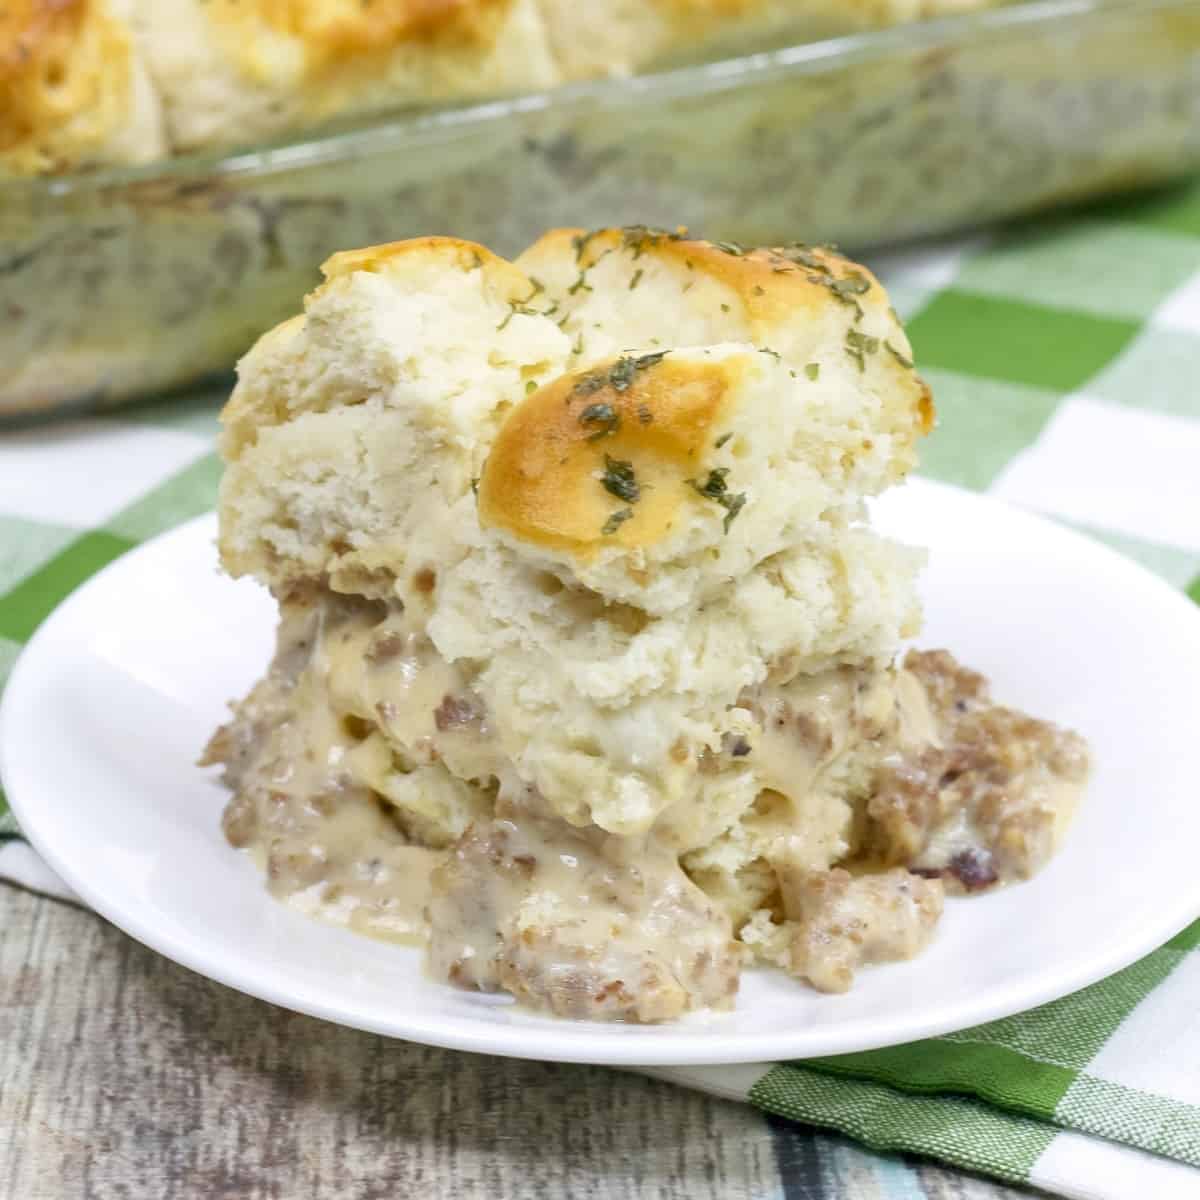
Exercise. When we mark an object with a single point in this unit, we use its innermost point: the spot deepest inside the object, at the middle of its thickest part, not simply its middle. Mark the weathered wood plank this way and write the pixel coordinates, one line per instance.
(125, 1077)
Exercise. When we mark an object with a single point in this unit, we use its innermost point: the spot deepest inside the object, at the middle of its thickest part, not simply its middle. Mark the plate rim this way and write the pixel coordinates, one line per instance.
(577, 1042)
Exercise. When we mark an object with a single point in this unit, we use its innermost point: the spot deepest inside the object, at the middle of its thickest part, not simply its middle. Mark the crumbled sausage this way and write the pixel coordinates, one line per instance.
(839, 922)
(987, 805)
(454, 712)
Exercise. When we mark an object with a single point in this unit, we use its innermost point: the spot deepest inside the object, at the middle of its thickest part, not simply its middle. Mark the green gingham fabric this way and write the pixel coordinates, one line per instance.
(1064, 356)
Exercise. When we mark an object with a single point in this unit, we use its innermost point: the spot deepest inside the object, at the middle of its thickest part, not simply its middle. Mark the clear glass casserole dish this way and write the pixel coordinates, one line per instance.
(125, 282)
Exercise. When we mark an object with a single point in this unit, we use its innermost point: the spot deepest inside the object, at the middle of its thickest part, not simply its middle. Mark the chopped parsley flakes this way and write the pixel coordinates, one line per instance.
(522, 306)
(859, 345)
(852, 284)
(716, 489)
(604, 416)
(625, 369)
(616, 520)
(638, 237)
(619, 480)
(620, 375)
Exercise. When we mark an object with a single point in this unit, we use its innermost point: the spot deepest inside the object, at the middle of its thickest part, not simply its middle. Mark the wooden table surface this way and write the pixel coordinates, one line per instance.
(124, 1076)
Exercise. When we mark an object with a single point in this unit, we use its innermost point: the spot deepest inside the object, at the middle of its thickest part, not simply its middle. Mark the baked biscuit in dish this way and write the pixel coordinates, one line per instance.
(74, 90)
(244, 70)
(88, 83)
(622, 36)
(586, 664)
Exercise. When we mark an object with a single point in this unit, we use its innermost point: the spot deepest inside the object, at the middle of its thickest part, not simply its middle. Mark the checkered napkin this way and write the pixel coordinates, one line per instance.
(1065, 358)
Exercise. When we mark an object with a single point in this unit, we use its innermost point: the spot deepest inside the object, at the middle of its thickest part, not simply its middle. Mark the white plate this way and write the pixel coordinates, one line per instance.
(111, 702)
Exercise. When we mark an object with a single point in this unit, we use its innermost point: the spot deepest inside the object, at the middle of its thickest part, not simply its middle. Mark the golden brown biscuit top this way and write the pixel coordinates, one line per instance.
(605, 456)
(410, 264)
(51, 55)
(417, 257)
(773, 283)
(773, 287)
(333, 31)
(31, 30)
(447, 251)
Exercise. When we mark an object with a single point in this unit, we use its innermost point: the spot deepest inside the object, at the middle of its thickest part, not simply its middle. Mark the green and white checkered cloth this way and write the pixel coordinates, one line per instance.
(1064, 357)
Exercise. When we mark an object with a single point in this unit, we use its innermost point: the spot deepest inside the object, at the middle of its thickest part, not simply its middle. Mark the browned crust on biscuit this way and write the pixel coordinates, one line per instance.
(454, 253)
(544, 478)
(771, 283)
(458, 252)
(58, 59)
(334, 32)
(247, 411)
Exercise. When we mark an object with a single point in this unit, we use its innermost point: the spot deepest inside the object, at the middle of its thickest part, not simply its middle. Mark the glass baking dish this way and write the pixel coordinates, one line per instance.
(125, 282)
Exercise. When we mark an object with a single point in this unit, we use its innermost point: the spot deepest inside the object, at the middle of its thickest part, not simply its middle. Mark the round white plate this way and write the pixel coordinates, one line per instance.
(113, 699)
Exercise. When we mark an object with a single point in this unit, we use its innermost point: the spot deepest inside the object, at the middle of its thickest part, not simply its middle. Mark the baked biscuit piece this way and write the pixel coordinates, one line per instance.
(244, 70)
(74, 90)
(652, 533)
(614, 37)
(829, 411)
(99, 82)
(356, 429)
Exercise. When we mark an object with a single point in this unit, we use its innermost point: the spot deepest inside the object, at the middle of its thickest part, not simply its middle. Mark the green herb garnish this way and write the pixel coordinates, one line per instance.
(619, 376)
(723, 439)
(530, 386)
(714, 486)
(859, 345)
(616, 520)
(732, 505)
(619, 480)
(802, 253)
(603, 415)
(902, 359)
(852, 284)
(580, 242)
(638, 237)
(522, 306)
(812, 370)
(716, 489)
(623, 371)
